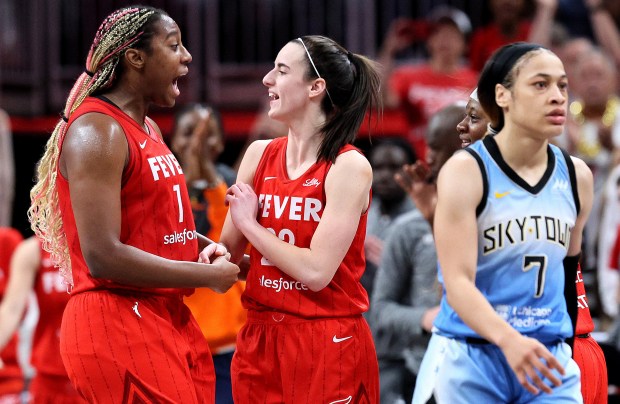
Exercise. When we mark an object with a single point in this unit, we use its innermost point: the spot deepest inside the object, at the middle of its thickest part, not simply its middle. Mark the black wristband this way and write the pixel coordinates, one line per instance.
(570, 291)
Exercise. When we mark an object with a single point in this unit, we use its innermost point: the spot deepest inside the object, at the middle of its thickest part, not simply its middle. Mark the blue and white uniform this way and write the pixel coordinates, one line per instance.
(523, 237)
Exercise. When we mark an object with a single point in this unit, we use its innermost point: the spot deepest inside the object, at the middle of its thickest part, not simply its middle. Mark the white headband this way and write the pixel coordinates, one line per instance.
(315, 69)
(474, 95)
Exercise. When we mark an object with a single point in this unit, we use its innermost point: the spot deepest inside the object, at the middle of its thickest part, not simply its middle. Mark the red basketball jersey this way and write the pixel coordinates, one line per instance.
(52, 297)
(155, 206)
(292, 209)
(11, 379)
(584, 319)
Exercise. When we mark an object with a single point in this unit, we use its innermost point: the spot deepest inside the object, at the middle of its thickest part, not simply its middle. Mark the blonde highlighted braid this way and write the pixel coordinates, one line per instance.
(124, 28)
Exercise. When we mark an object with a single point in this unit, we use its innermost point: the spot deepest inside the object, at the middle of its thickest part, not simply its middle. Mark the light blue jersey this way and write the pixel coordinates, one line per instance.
(523, 237)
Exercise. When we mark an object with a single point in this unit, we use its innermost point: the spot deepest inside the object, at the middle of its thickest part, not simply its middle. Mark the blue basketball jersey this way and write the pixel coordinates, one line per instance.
(523, 237)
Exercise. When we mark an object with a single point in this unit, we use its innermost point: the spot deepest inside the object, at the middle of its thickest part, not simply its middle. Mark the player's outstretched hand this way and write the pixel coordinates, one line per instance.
(532, 363)
(223, 274)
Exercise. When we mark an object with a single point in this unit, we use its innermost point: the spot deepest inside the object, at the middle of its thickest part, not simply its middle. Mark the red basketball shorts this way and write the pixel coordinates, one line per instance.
(127, 347)
(286, 359)
(589, 356)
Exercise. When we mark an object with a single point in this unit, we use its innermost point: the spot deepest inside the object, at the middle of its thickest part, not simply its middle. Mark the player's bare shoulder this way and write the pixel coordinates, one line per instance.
(459, 165)
(350, 177)
(250, 160)
(94, 139)
(353, 163)
(460, 177)
(93, 127)
(256, 149)
(582, 171)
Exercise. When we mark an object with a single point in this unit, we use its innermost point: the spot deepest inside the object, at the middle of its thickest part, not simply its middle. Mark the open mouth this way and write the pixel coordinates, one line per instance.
(175, 82)
(273, 97)
(465, 141)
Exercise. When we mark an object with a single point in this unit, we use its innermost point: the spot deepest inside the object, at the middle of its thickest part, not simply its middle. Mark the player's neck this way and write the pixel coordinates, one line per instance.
(129, 104)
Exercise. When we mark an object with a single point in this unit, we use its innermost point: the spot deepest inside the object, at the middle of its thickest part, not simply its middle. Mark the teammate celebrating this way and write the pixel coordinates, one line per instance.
(112, 206)
(302, 201)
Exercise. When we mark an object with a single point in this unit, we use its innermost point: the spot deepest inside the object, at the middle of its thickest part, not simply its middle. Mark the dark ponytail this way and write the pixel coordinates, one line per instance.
(353, 87)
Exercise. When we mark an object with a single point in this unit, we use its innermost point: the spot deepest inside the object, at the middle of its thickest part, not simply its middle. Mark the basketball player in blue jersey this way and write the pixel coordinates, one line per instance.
(509, 217)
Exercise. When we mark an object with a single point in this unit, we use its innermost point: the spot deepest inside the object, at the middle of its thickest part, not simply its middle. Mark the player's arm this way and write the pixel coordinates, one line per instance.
(460, 189)
(23, 270)
(95, 152)
(347, 188)
(571, 262)
(585, 188)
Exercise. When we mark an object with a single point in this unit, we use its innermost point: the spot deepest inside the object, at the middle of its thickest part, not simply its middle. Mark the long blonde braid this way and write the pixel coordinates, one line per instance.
(120, 30)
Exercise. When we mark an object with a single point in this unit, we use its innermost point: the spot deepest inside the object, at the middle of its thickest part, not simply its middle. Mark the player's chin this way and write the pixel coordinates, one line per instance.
(166, 102)
(555, 131)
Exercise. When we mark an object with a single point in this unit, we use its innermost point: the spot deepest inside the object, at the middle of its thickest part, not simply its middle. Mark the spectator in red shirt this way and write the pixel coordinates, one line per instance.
(422, 89)
(509, 24)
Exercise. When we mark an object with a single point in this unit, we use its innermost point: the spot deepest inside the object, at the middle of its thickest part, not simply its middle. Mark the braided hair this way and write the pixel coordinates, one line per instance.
(129, 27)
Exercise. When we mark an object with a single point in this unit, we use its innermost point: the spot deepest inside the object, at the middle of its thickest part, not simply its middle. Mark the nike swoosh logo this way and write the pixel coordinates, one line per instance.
(142, 144)
(337, 340)
(500, 195)
(269, 178)
(343, 401)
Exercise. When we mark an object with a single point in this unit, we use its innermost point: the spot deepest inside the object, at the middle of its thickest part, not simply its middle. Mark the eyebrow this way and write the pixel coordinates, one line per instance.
(172, 33)
(283, 65)
(548, 76)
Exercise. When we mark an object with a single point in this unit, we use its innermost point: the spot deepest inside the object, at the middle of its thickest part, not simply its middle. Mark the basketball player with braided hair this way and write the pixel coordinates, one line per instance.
(111, 205)
(301, 201)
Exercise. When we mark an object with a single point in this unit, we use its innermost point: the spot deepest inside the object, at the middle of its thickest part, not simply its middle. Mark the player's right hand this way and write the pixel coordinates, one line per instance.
(529, 359)
(224, 274)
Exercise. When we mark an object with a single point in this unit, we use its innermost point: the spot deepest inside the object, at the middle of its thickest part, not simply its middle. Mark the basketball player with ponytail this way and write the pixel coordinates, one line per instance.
(510, 214)
(111, 205)
(301, 201)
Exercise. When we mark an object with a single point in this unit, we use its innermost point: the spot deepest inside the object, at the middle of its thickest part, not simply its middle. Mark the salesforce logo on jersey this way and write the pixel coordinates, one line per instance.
(178, 237)
(281, 284)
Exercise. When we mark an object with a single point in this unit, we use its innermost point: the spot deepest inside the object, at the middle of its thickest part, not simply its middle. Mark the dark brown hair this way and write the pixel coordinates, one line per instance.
(353, 88)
